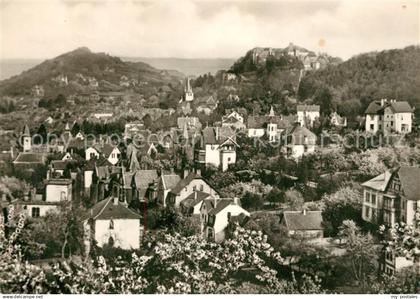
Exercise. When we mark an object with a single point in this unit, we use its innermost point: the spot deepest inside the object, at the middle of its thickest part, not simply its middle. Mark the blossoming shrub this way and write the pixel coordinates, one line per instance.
(176, 264)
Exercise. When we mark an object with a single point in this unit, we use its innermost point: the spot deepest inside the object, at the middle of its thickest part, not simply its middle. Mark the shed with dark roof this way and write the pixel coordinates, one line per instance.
(303, 223)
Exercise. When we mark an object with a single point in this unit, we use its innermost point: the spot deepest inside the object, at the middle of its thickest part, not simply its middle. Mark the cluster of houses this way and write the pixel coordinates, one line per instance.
(120, 188)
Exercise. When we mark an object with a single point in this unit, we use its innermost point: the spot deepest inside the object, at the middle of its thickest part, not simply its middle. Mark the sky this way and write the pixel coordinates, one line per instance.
(204, 29)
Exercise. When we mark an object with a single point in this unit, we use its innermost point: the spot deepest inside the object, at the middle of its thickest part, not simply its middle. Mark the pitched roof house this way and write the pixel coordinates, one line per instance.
(166, 183)
(110, 222)
(303, 223)
(389, 116)
(216, 215)
(217, 147)
(392, 197)
(299, 141)
(191, 183)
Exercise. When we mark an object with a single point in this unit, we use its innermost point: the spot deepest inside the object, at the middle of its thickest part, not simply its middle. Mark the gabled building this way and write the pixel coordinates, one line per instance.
(307, 114)
(131, 130)
(191, 122)
(58, 192)
(166, 183)
(93, 165)
(392, 197)
(215, 215)
(108, 151)
(191, 205)
(389, 116)
(189, 184)
(338, 121)
(110, 222)
(299, 141)
(233, 120)
(270, 125)
(217, 147)
(302, 223)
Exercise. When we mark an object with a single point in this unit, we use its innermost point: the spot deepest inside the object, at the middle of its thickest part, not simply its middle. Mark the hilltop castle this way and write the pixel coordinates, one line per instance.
(310, 60)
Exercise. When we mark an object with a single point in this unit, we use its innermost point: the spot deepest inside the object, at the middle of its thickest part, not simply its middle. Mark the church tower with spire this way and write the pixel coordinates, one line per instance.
(26, 139)
(272, 126)
(188, 93)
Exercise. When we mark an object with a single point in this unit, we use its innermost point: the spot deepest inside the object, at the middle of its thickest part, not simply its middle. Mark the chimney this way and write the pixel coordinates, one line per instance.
(195, 195)
(383, 101)
(304, 212)
(198, 171)
(236, 200)
(216, 130)
(33, 194)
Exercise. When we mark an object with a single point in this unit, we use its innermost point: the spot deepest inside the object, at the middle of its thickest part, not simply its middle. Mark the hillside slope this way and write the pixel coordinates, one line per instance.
(354, 83)
(81, 71)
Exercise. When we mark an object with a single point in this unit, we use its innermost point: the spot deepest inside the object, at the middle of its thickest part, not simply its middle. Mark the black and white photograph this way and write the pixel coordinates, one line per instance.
(210, 147)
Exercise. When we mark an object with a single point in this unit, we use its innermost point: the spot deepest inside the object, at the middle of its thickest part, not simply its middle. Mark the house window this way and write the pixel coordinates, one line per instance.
(367, 214)
(92, 155)
(194, 188)
(35, 212)
(372, 127)
(111, 224)
(228, 159)
(373, 198)
(201, 187)
(367, 197)
(112, 155)
(186, 189)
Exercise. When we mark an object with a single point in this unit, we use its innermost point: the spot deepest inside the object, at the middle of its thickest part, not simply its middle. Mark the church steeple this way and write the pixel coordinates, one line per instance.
(272, 114)
(133, 163)
(189, 95)
(26, 139)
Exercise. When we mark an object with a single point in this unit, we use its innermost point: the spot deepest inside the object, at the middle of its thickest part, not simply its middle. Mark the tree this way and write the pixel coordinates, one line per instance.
(293, 200)
(13, 188)
(60, 233)
(170, 264)
(361, 252)
(147, 120)
(275, 196)
(344, 204)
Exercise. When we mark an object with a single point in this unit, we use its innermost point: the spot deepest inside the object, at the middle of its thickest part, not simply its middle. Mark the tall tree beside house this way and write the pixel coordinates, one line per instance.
(59, 233)
(361, 252)
(346, 203)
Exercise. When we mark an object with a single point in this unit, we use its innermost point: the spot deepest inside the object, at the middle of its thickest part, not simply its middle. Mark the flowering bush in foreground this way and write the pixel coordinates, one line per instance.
(176, 264)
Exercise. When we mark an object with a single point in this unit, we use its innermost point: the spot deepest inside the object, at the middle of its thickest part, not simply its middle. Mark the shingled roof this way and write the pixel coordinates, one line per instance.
(30, 158)
(409, 177)
(184, 182)
(312, 108)
(169, 181)
(108, 209)
(375, 107)
(194, 198)
(298, 220)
